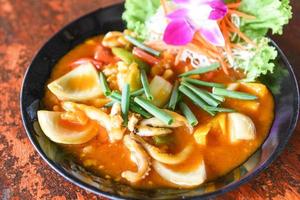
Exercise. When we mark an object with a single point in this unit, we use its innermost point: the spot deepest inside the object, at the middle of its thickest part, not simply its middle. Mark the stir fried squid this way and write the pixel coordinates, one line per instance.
(139, 157)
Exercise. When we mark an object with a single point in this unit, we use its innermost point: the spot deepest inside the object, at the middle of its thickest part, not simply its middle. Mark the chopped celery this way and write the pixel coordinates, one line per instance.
(128, 58)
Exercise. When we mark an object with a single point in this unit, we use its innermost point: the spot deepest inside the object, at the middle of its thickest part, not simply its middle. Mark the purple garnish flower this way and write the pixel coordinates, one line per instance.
(192, 16)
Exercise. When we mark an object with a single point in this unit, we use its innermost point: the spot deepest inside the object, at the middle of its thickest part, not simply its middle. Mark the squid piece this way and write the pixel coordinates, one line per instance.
(112, 122)
(133, 121)
(179, 121)
(92, 112)
(163, 157)
(139, 157)
(184, 179)
(142, 130)
(116, 131)
(147, 131)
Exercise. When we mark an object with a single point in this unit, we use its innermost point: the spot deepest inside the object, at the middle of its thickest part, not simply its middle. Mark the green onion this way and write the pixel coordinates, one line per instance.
(137, 93)
(145, 84)
(116, 97)
(155, 111)
(125, 100)
(141, 45)
(203, 83)
(188, 114)
(104, 86)
(201, 70)
(129, 58)
(233, 94)
(221, 109)
(202, 94)
(196, 100)
(174, 97)
(110, 104)
(217, 97)
(134, 107)
(180, 96)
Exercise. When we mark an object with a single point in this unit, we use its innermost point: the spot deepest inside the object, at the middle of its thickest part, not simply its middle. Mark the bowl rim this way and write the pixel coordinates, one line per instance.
(62, 172)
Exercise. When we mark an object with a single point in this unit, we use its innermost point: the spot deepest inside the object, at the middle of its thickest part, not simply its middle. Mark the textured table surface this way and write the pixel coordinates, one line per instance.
(24, 26)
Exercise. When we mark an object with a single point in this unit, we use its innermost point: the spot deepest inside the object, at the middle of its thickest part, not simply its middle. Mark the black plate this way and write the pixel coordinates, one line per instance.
(284, 89)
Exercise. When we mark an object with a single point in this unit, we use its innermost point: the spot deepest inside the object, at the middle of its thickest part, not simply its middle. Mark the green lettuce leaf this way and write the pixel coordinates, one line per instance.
(137, 12)
(274, 80)
(270, 14)
(256, 61)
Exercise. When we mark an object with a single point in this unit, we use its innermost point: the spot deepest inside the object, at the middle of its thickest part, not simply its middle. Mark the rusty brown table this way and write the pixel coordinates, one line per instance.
(24, 26)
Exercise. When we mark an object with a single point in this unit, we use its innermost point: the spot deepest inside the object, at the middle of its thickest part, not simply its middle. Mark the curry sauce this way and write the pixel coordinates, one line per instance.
(220, 155)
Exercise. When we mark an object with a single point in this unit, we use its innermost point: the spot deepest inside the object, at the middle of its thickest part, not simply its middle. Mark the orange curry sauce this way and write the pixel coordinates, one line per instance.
(220, 156)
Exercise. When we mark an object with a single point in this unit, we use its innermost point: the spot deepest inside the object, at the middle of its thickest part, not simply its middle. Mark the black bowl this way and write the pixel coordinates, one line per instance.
(282, 83)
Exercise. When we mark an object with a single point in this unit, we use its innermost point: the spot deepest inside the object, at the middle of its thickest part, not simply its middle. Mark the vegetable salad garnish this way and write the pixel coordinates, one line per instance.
(175, 99)
(229, 32)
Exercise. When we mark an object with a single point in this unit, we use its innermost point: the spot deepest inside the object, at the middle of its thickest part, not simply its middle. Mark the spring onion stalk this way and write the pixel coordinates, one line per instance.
(188, 114)
(125, 101)
(110, 104)
(134, 107)
(196, 100)
(104, 86)
(216, 97)
(201, 70)
(233, 94)
(141, 45)
(174, 97)
(221, 109)
(203, 83)
(116, 97)
(145, 84)
(137, 93)
(129, 58)
(155, 111)
(202, 94)
(180, 96)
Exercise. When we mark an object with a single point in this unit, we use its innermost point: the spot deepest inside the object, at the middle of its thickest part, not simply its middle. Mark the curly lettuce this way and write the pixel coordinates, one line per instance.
(256, 61)
(137, 12)
(270, 15)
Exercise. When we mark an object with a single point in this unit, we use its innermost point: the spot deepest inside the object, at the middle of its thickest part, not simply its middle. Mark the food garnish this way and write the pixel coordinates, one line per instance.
(104, 86)
(125, 101)
(145, 84)
(188, 114)
(180, 91)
